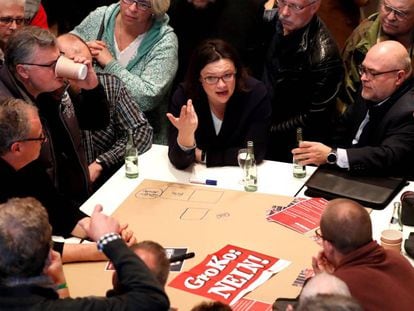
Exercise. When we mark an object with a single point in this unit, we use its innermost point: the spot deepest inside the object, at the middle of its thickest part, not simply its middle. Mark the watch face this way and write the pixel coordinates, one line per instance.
(331, 158)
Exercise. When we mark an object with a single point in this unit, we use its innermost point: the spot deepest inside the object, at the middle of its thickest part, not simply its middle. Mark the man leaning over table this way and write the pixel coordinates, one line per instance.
(376, 135)
(378, 278)
(22, 175)
(32, 277)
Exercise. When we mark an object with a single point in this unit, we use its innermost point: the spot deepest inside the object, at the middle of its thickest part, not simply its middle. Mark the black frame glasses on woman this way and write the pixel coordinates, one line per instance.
(141, 4)
(228, 77)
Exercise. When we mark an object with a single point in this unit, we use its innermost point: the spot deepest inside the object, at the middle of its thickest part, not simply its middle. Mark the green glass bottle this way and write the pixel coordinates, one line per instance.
(131, 157)
(250, 169)
(395, 222)
(299, 171)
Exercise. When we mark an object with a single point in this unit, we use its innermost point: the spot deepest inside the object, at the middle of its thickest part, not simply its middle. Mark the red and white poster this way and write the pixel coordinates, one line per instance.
(229, 274)
(302, 216)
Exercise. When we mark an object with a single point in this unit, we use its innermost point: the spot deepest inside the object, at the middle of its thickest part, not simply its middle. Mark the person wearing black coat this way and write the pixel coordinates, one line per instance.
(303, 72)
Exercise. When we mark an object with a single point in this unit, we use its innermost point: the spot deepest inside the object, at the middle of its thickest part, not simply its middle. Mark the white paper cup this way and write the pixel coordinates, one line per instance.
(391, 239)
(67, 68)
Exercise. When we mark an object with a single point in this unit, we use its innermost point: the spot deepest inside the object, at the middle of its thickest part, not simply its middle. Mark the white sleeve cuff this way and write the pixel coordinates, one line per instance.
(342, 160)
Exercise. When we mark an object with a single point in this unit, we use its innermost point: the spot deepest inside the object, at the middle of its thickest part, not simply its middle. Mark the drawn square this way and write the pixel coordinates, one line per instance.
(193, 213)
(177, 193)
(206, 196)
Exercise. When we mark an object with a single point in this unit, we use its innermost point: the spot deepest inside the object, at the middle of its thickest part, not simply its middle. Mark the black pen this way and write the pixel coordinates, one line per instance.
(181, 257)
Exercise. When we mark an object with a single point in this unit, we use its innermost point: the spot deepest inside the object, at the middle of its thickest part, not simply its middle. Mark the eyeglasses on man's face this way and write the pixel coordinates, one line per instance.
(291, 6)
(42, 138)
(388, 9)
(8, 20)
(141, 4)
(228, 77)
(319, 236)
(51, 65)
(371, 74)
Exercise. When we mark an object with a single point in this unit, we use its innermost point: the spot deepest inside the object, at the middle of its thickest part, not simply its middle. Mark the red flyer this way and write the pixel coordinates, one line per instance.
(229, 274)
(302, 216)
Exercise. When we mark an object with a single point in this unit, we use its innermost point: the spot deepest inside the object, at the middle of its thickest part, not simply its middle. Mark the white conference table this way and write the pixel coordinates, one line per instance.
(273, 178)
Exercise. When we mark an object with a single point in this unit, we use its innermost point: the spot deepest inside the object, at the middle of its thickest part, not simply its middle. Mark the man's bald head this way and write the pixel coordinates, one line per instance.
(72, 45)
(385, 68)
(346, 224)
(391, 54)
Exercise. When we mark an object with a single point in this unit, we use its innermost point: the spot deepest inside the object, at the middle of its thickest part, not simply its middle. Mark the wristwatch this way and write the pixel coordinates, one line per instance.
(332, 157)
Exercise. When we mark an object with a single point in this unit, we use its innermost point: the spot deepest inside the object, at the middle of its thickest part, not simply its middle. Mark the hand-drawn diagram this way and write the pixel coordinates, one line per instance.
(182, 193)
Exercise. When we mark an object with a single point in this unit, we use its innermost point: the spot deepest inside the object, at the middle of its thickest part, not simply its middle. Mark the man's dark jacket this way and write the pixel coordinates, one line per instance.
(62, 118)
(303, 72)
(386, 144)
(144, 291)
(33, 181)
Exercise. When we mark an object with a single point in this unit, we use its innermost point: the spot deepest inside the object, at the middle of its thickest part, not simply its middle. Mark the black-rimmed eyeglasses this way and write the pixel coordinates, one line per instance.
(320, 237)
(141, 4)
(291, 6)
(6, 21)
(370, 74)
(399, 14)
(50, 65)
(228, 77)
(42, 138)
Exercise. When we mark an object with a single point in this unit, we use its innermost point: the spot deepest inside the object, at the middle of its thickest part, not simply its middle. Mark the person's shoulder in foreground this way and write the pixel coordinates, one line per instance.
(32, 277)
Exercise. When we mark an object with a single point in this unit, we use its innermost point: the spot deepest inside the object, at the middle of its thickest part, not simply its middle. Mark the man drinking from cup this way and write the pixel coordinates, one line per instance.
(31, 55)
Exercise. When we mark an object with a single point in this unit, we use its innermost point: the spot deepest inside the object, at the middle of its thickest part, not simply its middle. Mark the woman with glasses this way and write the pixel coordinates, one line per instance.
(132, 40)
(217, 110)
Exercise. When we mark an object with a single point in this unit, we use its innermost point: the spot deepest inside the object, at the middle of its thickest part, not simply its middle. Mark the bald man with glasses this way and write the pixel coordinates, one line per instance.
(376, 135)
(393, 21)
(378, 278)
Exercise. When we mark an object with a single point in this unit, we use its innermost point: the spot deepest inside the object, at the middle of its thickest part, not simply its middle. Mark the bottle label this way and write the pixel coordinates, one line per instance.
(250, 174)
(131, 166)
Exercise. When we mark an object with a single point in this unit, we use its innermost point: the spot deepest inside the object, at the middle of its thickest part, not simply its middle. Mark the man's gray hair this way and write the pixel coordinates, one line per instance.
(14, 122)
(324, 283)
(22, 45)
(25, 240)
(329, 302)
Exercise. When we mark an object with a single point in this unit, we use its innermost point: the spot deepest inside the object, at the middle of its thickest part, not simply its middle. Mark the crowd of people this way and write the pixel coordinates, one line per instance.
(203, 77)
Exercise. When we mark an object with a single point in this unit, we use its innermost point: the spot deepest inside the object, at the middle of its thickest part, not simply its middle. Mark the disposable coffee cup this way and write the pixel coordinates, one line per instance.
(67, 68)
(391, 239)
